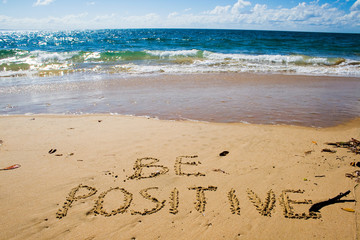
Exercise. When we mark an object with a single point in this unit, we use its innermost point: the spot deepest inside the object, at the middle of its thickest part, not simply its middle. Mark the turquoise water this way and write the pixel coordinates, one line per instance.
(183, 74)
(100, 53)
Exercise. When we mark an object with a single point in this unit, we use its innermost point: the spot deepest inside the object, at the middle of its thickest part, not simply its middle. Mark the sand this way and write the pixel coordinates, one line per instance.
(320, 101)
(187, 191)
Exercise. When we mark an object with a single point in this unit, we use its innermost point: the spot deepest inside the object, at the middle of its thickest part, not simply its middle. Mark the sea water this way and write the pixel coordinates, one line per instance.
(152, 51)
(200, 74)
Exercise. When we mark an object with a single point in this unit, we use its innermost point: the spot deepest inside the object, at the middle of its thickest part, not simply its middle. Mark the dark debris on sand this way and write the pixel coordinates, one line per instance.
(353, 145)
(224, 153)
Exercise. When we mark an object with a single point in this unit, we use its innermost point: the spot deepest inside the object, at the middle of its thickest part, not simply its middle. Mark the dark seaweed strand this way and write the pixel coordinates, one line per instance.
(317, 206)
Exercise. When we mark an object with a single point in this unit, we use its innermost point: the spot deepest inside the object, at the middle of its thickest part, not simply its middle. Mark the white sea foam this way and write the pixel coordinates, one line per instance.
(209, 66)
(92, 56)
(169, 54)
(196, 61)
(280, 59)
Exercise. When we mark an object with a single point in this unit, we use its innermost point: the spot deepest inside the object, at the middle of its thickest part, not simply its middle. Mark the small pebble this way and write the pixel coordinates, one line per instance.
(224, 153)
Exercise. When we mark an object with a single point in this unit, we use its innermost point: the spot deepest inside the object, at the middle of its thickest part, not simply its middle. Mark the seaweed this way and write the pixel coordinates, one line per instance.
(353, 145)
(317, 206)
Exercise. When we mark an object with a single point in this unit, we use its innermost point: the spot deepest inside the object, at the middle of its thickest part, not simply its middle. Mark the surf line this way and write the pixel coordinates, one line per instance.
(264, 207)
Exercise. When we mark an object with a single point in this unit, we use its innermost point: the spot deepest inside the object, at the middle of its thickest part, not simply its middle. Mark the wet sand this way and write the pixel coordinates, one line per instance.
(253, 98)
(117, 177)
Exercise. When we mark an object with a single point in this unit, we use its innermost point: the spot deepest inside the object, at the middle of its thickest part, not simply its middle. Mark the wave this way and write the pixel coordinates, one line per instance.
(16, 62)
(175, 54)
(276, 59)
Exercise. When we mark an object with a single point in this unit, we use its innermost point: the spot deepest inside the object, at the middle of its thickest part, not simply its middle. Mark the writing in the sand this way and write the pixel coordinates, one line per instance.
(148, 168)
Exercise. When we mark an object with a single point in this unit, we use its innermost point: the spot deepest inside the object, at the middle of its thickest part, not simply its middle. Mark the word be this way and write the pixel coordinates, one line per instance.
(140, 165)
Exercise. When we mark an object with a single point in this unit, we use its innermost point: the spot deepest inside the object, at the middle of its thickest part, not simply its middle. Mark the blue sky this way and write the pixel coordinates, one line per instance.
(320, 15)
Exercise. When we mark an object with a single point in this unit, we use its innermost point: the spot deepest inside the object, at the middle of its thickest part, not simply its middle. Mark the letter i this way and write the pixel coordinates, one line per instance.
(174, 201)
(234, 202)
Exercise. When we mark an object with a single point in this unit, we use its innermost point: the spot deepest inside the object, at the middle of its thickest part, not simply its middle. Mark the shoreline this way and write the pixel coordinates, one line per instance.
(131, 177)
(254, 98)
(346, 124)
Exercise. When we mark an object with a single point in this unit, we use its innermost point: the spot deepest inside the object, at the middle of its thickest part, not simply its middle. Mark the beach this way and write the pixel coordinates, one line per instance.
(179, 134)
(123, 177)
(313, 101)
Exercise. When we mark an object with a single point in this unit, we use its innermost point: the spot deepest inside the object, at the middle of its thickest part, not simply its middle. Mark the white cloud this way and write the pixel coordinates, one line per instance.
(240, 15)
(145, 21)
(81, 21)
(44, 23)
(90, 3)
(43, 2)
(4, 1)
(355, 6)
(220, 10)
(304, 17)
(239, 5)
(173, 14)
(187, 10)
(235, 9)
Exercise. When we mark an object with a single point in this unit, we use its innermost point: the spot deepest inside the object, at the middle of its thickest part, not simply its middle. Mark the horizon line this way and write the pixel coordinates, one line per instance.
(179, 28)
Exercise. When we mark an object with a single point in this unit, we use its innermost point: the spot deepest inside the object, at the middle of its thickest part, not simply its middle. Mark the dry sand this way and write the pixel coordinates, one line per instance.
(100, 152)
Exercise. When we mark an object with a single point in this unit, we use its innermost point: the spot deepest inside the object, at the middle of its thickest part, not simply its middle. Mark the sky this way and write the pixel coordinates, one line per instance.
(291, 15)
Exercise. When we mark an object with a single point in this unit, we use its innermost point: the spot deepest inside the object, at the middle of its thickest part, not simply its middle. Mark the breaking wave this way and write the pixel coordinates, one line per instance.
(16, 62)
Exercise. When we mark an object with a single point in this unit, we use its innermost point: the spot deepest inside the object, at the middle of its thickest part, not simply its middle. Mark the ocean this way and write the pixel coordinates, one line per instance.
(26, 54)
(36, 66)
